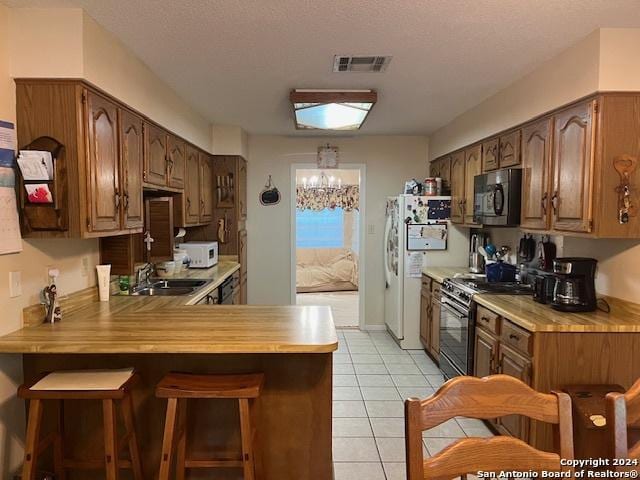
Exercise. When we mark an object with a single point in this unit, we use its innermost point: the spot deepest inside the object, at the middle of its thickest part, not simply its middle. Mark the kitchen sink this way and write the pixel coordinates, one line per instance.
(170, 287)
(178, 282)
(164, 291)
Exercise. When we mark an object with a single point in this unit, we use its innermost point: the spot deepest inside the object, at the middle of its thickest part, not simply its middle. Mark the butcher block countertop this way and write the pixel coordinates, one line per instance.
(536, 317)
(155, 324)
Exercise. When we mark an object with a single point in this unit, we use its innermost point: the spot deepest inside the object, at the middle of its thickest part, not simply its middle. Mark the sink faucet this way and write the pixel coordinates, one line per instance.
(144, 273)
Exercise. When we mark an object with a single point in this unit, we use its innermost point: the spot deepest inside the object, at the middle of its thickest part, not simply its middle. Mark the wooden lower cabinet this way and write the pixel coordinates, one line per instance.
(516, 365)
(492, 356)
(486, 350)
(430, 317)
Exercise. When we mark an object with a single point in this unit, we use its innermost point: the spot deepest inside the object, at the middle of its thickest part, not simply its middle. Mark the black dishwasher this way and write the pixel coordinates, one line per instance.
(225, 292)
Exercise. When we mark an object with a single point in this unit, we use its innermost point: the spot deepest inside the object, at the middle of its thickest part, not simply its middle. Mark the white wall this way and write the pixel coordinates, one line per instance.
(390, 160)
(566, 77)
(604, 60)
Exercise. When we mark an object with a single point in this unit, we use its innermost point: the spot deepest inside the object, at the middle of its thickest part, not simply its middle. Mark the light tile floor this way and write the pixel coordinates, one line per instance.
(371, 378)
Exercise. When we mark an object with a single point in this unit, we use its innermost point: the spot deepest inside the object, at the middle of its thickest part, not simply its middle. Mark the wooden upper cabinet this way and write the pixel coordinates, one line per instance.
(206, 188)
(445, 174)
(131, 166)
(103, 186)
(490, 159)
(473, 167)
(192, 188)
(242, 189)
(155, 155)
(573, 160)
(457, 187)
(435, 167)
(536, 167)
(176, 155)
(509, 149)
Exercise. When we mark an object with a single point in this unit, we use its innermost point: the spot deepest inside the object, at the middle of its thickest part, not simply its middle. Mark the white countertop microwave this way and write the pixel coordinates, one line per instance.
(202, 254)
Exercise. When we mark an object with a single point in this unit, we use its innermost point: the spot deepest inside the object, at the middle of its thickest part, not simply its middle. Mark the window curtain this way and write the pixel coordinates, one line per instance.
(346, 197)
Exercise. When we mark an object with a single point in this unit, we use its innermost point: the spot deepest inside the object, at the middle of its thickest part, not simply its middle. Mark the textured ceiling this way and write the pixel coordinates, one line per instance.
(236, 60)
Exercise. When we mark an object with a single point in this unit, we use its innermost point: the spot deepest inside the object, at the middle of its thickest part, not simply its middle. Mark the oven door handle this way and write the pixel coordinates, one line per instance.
(448, 303)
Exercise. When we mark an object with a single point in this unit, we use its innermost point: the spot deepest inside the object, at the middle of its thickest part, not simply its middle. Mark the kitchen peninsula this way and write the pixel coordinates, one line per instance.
(291, 345)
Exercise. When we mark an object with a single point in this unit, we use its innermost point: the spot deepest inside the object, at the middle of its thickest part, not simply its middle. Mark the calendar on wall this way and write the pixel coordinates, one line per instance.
(10, 239)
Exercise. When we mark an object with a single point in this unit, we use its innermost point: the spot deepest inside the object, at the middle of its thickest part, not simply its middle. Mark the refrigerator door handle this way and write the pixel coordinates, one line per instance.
(387, 273)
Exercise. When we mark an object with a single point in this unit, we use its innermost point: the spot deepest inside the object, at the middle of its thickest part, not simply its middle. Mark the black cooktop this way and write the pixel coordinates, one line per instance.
(482, 286)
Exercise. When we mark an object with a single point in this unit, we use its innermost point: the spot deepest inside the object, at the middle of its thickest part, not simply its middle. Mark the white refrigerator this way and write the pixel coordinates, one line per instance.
(417, 233)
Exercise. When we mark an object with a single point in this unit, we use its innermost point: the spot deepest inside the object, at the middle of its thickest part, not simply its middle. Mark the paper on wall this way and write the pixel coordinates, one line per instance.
(7, 144)
(10, 239)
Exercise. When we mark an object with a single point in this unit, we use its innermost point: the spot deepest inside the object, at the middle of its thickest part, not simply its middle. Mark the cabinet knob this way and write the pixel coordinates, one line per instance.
(117, 199)
(126, 201)
(513, 336)
(554, 203)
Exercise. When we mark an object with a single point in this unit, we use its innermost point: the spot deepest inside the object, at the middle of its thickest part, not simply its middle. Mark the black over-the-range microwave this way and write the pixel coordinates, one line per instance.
(497, 197)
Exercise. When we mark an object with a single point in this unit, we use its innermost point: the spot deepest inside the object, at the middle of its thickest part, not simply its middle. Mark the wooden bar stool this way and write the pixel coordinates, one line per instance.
(34, 447)
(178, 388)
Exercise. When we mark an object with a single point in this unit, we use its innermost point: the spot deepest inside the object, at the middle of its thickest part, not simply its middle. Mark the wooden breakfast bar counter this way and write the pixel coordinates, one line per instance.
(291, 345)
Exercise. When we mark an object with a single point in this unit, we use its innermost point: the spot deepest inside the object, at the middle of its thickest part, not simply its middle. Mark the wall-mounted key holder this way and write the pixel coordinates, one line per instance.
(625, 165)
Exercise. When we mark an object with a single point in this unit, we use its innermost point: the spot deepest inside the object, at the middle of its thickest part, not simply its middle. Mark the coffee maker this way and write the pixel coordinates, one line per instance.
(574, 289)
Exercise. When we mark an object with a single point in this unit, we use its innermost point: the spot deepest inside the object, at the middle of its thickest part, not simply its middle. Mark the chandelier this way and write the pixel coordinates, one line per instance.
(320, 192)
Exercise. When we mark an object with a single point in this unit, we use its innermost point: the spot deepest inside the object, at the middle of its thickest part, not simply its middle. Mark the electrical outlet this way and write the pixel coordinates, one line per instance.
(85, 266)
(371, 229)
(15, 284)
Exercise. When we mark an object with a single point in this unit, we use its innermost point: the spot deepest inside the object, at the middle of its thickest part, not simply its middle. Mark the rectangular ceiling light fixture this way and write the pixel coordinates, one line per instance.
(331, 109)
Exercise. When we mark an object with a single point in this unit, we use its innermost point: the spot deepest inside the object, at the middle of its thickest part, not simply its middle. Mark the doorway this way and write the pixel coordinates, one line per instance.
(327, 240)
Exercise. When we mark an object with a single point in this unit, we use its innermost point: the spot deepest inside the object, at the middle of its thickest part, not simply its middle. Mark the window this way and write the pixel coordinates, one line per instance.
(320, 229)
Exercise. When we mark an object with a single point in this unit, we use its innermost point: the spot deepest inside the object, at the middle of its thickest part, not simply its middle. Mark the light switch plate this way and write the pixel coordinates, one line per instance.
(15, 284)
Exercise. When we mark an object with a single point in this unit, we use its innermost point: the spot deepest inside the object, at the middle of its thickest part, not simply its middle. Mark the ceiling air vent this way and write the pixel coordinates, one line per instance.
(371, 63)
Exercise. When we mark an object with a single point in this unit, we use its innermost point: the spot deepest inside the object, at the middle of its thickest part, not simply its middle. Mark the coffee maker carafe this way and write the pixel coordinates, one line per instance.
(574, 289)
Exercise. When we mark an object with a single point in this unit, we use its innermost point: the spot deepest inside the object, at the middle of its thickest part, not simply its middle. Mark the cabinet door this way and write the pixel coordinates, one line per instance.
(457, 187)
(536, 167)
(155, 155)
(131, 166)
(510, 149)
(242, 189)
(434, 343)
(490, 155)
(176, 162)
(518, 366)
(425, 317)
(572, 156)
(159, 224)
(206, 188)
(435, 168)
(445, 174)
(242, 258)
(473, 167)
(192, 187)
(103, 194)
(485, 353)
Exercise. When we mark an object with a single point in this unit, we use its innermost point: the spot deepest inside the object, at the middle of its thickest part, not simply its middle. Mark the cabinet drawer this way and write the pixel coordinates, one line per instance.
(488, 320)
(426, 282)
(517, 337)
(436, 289)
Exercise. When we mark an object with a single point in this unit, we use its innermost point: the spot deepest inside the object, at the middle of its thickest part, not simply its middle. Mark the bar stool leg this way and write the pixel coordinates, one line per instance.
(110, 439)
(58, 445)
(246, 432)
(134, 452)
(167, 441)
(31, 444)
(181, 453)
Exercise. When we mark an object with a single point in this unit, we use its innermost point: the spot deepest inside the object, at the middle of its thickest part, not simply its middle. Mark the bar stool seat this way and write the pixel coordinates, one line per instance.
(109, 396)
(178, 388)
(185, 385)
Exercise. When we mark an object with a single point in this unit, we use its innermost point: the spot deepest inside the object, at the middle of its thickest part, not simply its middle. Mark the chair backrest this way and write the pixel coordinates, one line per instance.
(485, 398)
(623, 410)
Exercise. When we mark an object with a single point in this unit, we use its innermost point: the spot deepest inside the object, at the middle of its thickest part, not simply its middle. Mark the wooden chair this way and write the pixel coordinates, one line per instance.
(178, 388)
(485, 398)
(623, 411)
(111, 462)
